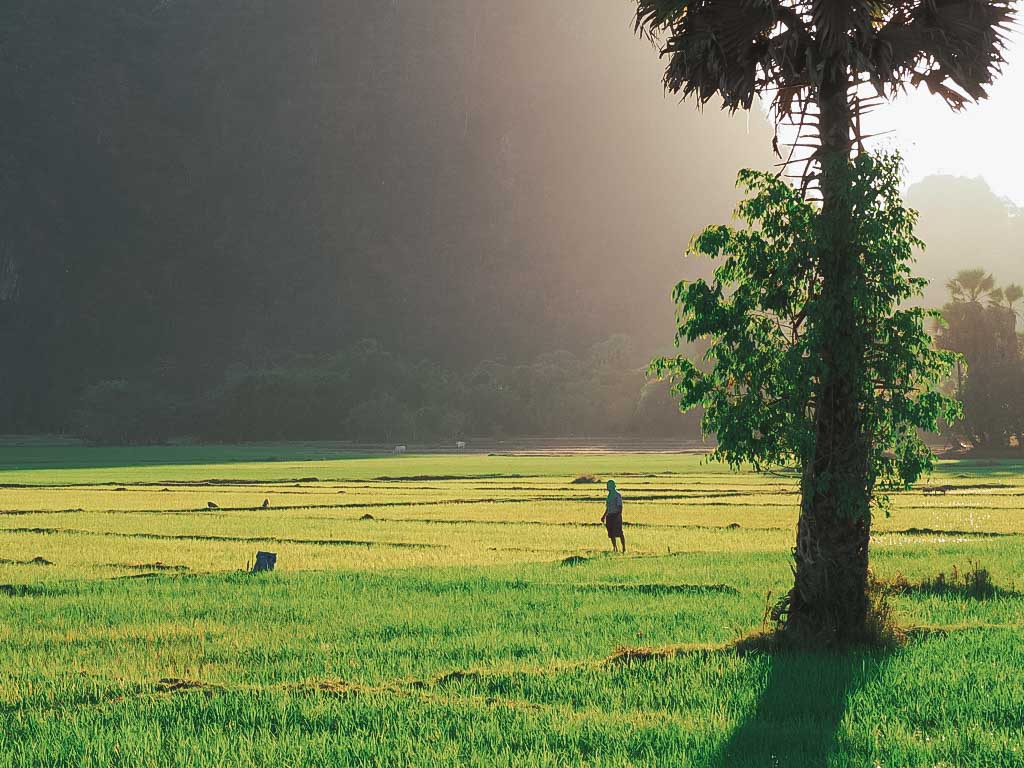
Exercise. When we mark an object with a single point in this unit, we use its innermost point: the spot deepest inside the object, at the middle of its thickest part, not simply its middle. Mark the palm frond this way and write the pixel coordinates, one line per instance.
(835, 22)
(726, 47)
(954, 47)
(740, 49)
(655, 16)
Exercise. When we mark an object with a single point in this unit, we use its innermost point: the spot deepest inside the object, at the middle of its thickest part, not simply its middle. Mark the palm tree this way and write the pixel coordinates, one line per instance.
(1013, 293)
(972, 285)
(815, 58)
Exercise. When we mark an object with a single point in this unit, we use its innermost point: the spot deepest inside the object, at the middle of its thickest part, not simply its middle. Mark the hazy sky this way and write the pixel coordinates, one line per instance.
(984, 140)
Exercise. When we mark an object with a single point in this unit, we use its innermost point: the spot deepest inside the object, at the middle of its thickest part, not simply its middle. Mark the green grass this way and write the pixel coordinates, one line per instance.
(446, 630)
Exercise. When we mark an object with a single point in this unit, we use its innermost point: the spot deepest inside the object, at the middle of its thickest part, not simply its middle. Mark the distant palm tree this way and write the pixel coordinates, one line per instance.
(814, 59)
(972, 285)
(1013, 293)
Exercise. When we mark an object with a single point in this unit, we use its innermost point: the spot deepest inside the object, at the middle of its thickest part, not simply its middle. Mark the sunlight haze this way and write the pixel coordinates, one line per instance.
(433, 383)
(983, 140)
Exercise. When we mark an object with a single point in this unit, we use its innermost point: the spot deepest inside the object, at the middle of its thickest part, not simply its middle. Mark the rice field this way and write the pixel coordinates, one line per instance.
(466, 610)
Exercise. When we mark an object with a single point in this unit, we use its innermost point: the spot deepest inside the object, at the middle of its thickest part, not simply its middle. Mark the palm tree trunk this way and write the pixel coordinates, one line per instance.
(828, 603)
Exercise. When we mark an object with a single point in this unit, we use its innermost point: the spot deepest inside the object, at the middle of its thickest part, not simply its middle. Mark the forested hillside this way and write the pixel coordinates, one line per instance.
(195, 184)
(196, 190)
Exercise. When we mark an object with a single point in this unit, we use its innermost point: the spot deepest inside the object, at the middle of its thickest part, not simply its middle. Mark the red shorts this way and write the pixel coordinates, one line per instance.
(614, 525)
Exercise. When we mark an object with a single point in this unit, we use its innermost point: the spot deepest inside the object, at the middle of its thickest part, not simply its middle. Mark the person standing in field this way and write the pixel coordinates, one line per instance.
(612, 517)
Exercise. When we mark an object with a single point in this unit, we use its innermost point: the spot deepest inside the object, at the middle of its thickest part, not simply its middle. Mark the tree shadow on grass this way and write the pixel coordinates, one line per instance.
(800, 709)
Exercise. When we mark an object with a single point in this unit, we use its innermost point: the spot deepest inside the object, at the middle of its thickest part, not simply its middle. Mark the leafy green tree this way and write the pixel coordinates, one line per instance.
(767, 315)
(815, 58)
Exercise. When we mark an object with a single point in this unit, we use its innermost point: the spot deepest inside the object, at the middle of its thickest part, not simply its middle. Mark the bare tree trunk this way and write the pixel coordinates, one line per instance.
(828, 603)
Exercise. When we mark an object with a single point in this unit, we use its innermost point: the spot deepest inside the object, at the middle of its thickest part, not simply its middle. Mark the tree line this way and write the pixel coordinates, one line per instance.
(206, 183)
(367, 393)
(980, 323)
